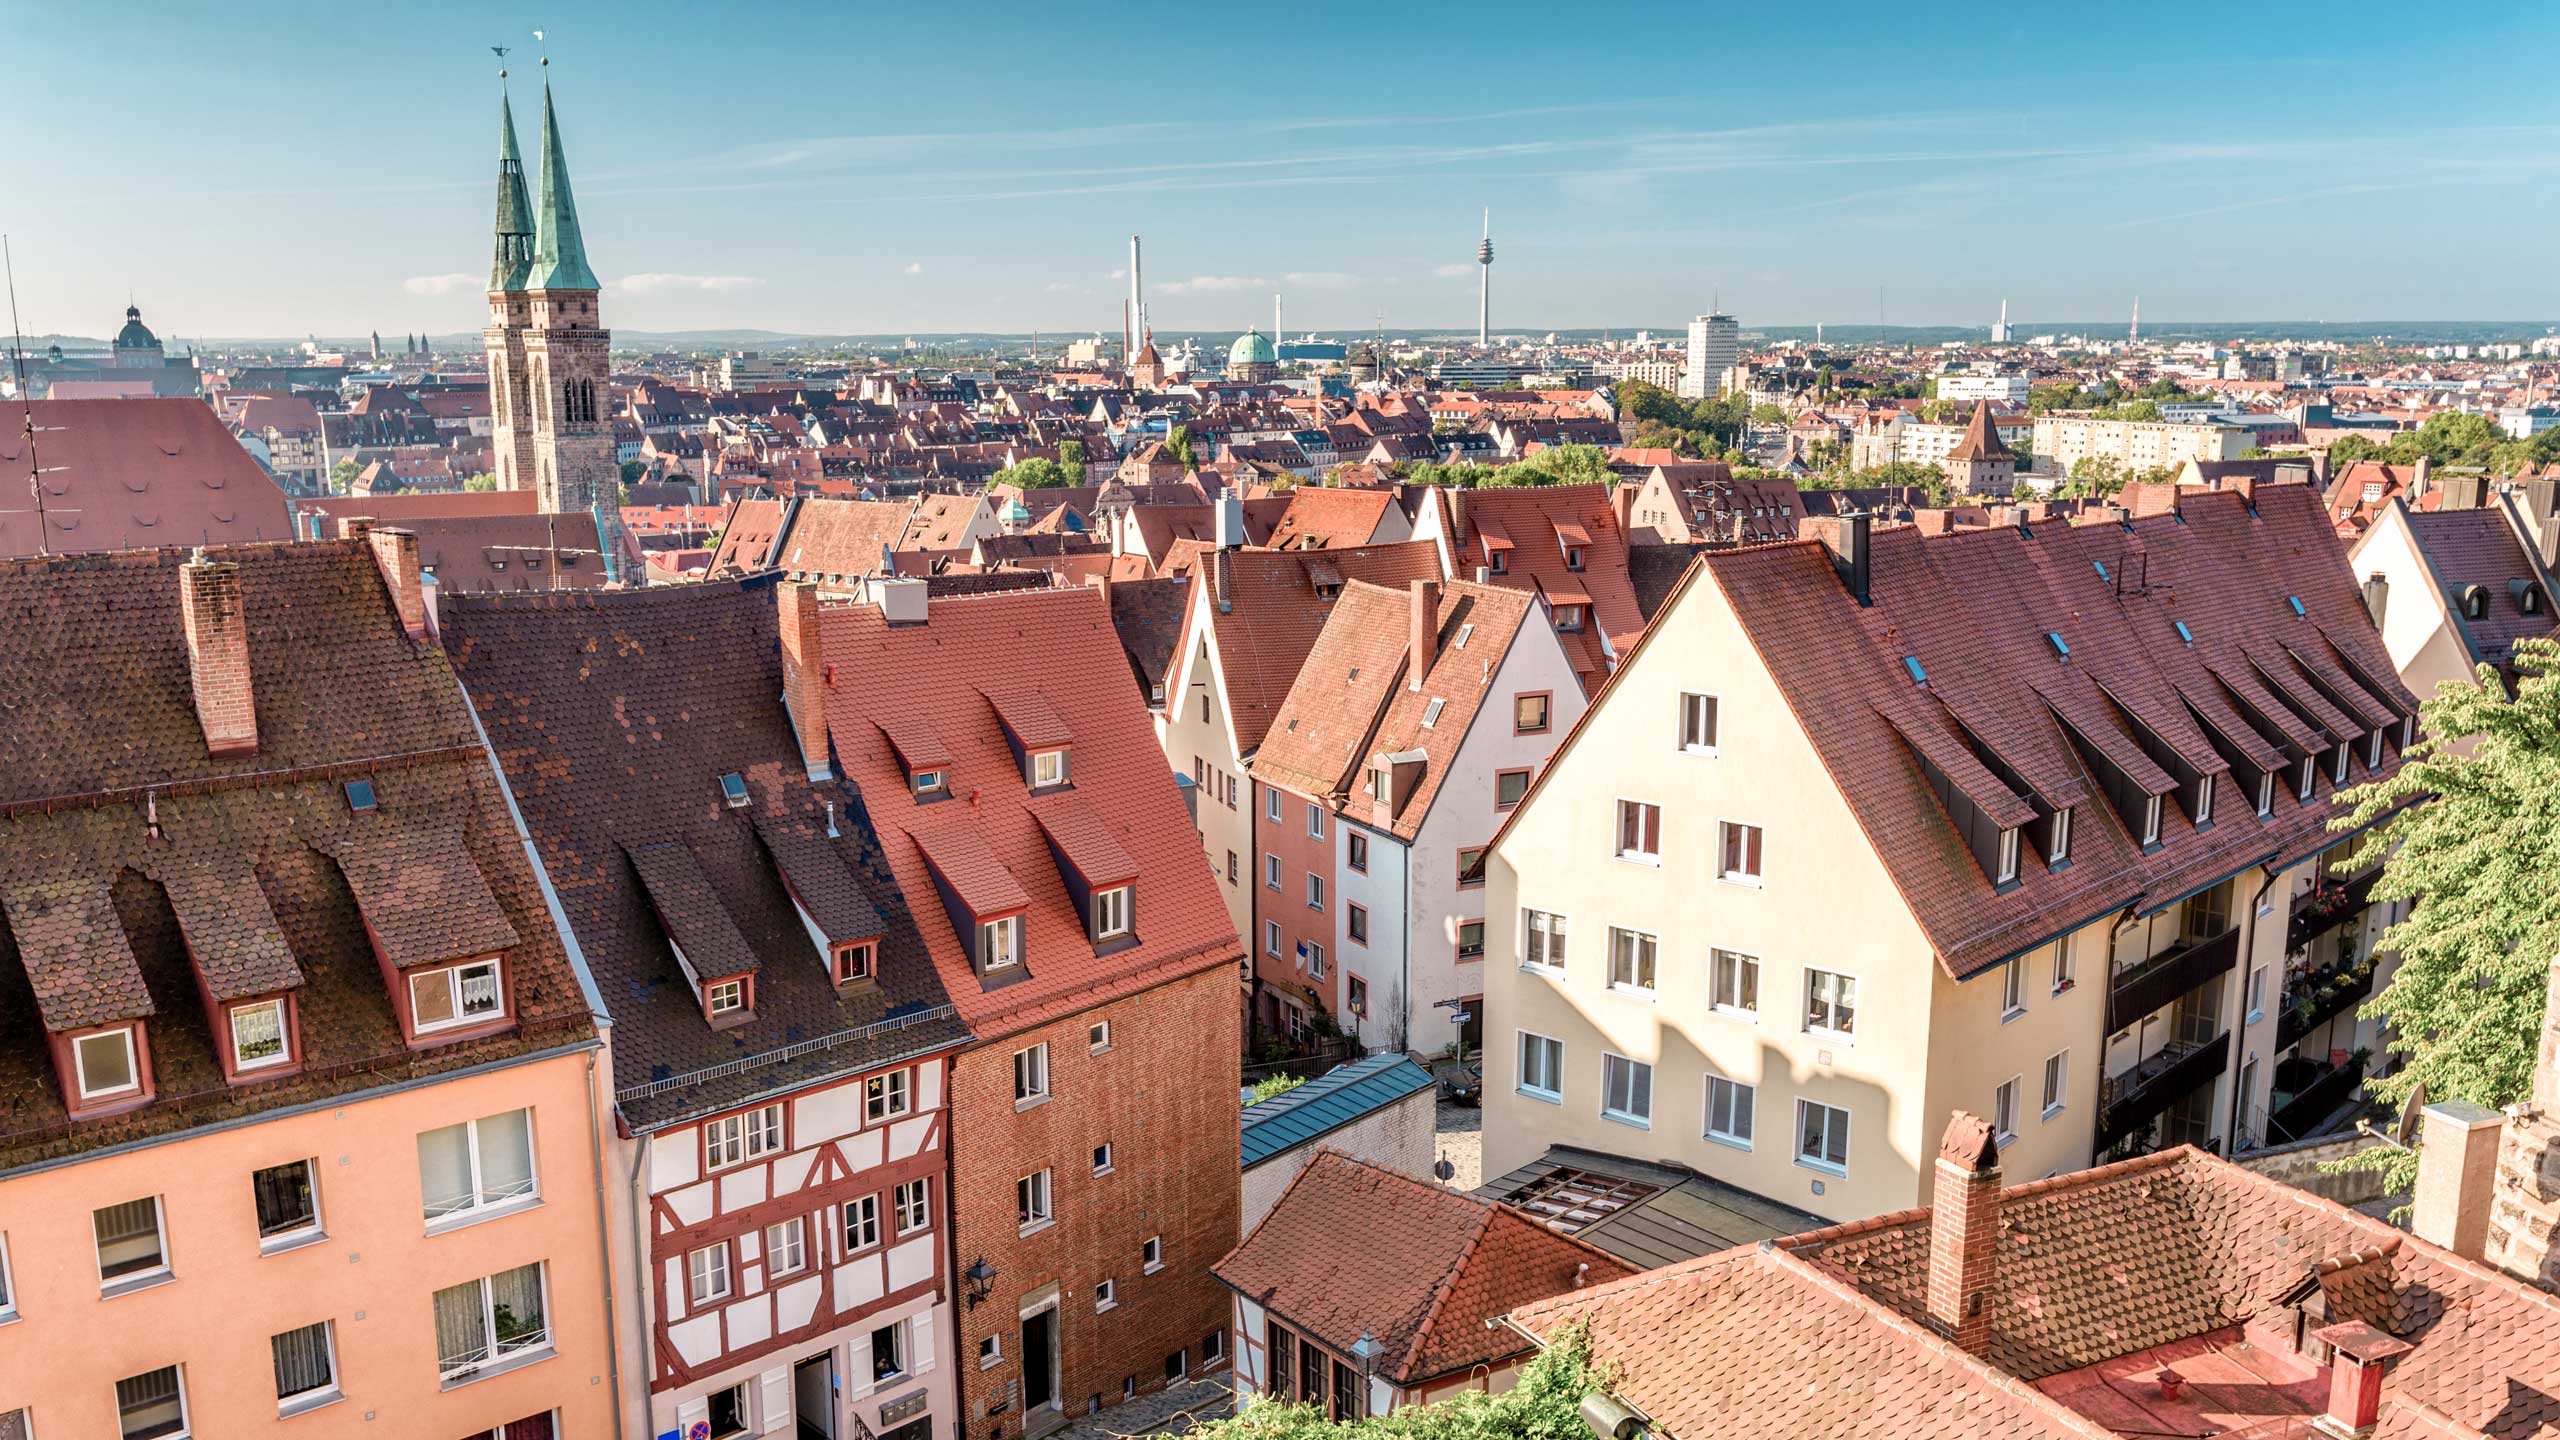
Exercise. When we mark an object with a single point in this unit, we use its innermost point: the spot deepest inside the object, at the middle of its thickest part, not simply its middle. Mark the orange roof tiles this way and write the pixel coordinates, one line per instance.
(125, 474)
(1275, 614)
(1535, 520)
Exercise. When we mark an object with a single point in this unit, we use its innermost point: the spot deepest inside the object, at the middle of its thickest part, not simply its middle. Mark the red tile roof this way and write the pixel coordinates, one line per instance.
(129, 474)
(2480, 547)
(1318, 517)
(1538, 521)
(1274, 616)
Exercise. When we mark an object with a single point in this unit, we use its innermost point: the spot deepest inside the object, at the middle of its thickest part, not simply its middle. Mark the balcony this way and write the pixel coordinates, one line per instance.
(2313, 998)
(2171, 973)
(2308, 1092)
(2326, 906)
(2128, 1102)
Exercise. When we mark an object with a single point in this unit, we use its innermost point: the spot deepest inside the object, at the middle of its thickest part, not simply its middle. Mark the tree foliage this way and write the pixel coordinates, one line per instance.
(2451, 438)
(1893, 474)
(342, 476)
(1178, 448)
(1037, 473)
(2482, 862)
(1271, 1085)
(1555, 465)
(480, 482)
(1705, 427)
(1546, 1404)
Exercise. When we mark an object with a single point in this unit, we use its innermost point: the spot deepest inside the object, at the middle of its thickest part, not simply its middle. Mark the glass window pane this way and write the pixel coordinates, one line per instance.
(302, 1360)
(444, 1170)
(506, 1156)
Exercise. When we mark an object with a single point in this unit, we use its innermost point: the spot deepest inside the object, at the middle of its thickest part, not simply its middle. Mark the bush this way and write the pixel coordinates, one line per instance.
(1264, 1089)
(1545, 1405)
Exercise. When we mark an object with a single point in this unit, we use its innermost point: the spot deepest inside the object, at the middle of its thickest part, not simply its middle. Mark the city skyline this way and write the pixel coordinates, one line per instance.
(2243, 176)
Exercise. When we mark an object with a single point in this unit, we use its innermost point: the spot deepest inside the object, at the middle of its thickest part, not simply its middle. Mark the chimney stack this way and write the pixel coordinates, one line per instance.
(395, 554)
(1423, 640)
(2463, 492)
(1848, 534)
(1230, 520)
(2359, 1357)
(902, 601)
(1964, 1233)
(804, 692)
(2426, 473)
(217, 631)
(2457, 1171)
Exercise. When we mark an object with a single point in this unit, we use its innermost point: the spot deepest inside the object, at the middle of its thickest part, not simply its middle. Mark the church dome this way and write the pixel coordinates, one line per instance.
(1251, 349)
(135, 335)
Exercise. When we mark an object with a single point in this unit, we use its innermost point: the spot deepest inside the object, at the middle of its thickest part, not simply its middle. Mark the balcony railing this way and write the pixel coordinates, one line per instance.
(2326, 906)
(2128, 1102)
(2171, 973)
(2315, 997)
(2314, 1102)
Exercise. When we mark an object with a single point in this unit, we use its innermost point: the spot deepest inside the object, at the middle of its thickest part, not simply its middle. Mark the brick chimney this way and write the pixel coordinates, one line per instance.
(804, 674)
(395, 553)
(1423, 637)
(217, 631)
(2457, 1168)
(2359, 1357)
(1964, 1233)
(1847, 536)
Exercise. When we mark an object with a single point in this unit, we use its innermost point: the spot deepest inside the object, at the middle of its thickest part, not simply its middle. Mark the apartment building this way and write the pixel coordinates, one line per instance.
(1418, 720)
(781, 1176)
(304, 1089)
(2062, 441)
(1910, 439)
(1024, 812)
(2025, 820)
(1567, 544)
(1699, 501)
(1965, 387)
(1251, 619)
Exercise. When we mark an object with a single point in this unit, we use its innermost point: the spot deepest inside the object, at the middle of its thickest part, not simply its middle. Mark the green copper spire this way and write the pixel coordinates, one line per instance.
(559, 251)
(514, 260)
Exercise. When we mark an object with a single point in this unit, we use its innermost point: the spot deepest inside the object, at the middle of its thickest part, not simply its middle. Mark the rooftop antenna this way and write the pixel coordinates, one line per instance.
(26, 402)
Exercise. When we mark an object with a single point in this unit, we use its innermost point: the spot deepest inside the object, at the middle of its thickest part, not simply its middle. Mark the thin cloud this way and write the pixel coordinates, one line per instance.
(451, 283)
(915, 267)
(655, 281)
(1214, 284)
(1452, 270)
(1061, 287)
(1318, 279)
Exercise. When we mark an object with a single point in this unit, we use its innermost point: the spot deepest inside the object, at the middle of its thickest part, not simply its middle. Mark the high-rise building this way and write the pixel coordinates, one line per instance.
(2000, 330)
(1715, 346)
(547, 347)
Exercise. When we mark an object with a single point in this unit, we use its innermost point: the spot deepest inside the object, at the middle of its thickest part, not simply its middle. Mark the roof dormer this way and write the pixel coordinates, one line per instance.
(983, 901)
(1041, 742)
(245, 970)
(88, 988)
(437, 931)
(708, 949)
(1099, 875)
(921, 753)
(830, 902)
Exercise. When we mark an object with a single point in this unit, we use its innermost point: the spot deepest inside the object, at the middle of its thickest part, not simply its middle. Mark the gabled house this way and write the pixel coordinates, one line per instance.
(1564, 543)
(1319, 518)
(1699, 501)
(2453, 588)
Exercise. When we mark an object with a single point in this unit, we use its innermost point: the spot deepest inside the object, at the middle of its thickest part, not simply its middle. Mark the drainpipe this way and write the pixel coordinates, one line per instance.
(2240, 1031)
(604, 1250)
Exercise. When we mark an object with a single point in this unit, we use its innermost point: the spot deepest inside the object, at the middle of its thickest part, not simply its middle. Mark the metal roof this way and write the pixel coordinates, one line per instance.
(1329, 1102)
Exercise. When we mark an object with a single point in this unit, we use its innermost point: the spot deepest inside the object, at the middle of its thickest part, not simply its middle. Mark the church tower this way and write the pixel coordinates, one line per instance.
(548, 364)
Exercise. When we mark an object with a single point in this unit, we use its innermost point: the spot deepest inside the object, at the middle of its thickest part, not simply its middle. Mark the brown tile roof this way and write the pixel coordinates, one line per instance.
(2480, 547)
(1527, 518)
(746, 537)
(120, 474)
(1351, 1247)
(1318, 518)
(406, 509)
(1654, 570)
(422, 896)
(1981, 439)
(689, 906)
(1274, 616)
(941, 521)
(229, 927)
(1148, 615)
(475, 553)
(986, 839)
(831, 538)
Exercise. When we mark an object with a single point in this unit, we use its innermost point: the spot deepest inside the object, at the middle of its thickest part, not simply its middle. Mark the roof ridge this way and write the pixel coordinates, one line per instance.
(1447, 1284)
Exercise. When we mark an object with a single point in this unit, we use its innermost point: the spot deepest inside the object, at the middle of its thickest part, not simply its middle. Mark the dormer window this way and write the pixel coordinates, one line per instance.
(458, 995)
(725, 997)
(2007, 869)
(2150, 821)
(1378, 783)
(2373, 751)
(2338, 764)
(2303, 775)
(1497, 561)
(1048, 767)
(858, 961)
(2408, 732)
(2057, 851)
(1568, 617)
(1000, 943)
(1111, 912)
(931, 784)
(733, 790)
(2266, 793)
(106, 1064)
(258, 1035)
(1573, 557)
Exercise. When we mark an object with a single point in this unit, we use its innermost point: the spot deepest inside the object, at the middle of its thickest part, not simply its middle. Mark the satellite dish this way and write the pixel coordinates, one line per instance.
(2406, 1132)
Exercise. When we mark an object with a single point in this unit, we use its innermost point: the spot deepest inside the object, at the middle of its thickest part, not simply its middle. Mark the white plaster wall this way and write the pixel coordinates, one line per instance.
(1399, 1137)
(1382, 963)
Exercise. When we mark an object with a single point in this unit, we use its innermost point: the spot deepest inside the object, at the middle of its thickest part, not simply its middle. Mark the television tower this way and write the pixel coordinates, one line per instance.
(1484, 284)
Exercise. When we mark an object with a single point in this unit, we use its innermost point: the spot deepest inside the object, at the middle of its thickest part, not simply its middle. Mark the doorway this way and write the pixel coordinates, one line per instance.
(813, 1396)
(1039, 1363)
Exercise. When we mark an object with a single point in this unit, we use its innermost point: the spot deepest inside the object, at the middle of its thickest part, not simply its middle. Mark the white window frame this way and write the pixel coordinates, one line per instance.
(2257, 993)
(532, 1191)
(1000, 943)
(1643, 961)
(2266, 793)
(791, 1237)
(1030, 1075)
(1811, 982)
(1271, 937)
(1642, 1120)
(133, 1279)
(284, 1035)
(1111, 912)
(2309, 773)
(2057, 851)
(886, 1096)
(2057, 1083)
(1553, 1094)
(1699, 720)
(1618, 841)
(2338, 762)
(2204, 800)
(1743, 966)
(186, 1418)
(858, 1221)
(2150, 821)
(2005, 1100)
(1819, 1162)
(1151, 1255)
(1744, 1103)
(2065, 973)
(1751, 879)
(452, 976)
(1106, 1296)
(934, 781)
(912, 1205)
(132, 1063)
(1271, 876)
(736, 1139)
(1550, 936)
(2013, 989)
(990, 1350)
(1315, 821)
(726, 996)
(1097, 1037)
(318, 1395)
(1315, 959)
(709, 1275)
(1315, 891)
(310, 1228)
(8, 1282)
(2373, 750)
(1271, 805)
(2007, 868)
(489, 1325)
(1048, 767)
(1035, 1202)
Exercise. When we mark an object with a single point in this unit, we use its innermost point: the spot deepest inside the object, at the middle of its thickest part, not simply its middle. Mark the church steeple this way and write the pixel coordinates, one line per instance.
(559, 251)
(513, 264)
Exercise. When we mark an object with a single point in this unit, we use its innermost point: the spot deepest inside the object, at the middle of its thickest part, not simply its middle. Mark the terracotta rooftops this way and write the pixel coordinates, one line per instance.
(2484, 566)
(1351, 1247)
(125, 473)
(1319, 517)
(1564, 542)
(1275, 610)
(1981, 438)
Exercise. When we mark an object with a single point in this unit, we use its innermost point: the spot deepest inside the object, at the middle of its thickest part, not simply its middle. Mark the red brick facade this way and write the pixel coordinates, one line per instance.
(1163, 1097)
(1306, 934)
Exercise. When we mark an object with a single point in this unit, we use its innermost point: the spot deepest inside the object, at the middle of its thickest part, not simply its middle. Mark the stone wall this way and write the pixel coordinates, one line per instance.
(2298, 1165)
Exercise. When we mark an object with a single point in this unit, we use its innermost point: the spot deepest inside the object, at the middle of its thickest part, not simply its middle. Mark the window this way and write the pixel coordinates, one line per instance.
(1111, 913)
(2204, 801)
(1830, 1003)
(2373, 751)
(1359, 996)
(726, 998)
(1315, 959)
(1106, 1296)
(1431, 712)
(1734, 982)
(1529, 713)
(2304, 774)
(1271, 937)
(990, 1351)
(2064, 975)
(8, 1295)
(707, 1273)
(2006, 869)
(1102, 1158)
(1359, 852)
(2004, 1111)
(1048, 767)
(1541, 1066)
(287, 1201)
(856, 962)
(2057, 1079)
(105, 1062)
(442, 999)
(1639, 831)
(1729, 1111)
(1178, 1364)
(913, 1204)
(1573, 557)
(2013, 989)
(151, 1405)
(1542, 939)
(306, 1368)
(1097, 1037)
(129, 1244)
(1213, 1347)
(1031, 1201)
(1000, 943)
(1031, 1074)
(1508, 787)
(1151, 1254)
(2257, 993)
(1315, 891)
(1698, 724)
(1271, 872)
(257, 1035)
(1569, 617)
(884, 1097)
(786, 1247)
(1271, 806)
(1470, 867)
(1470, 940)
(1740, 857)
(477, 1165)
(861, 1223)
(480, 1322)
(1355, 922)
(888, 1352)
(1315, 821)
(1822, 1136)
(1232, 872)
(733, 789)
(744, 1136)
(2057, 850)
(930, 783)
(725, 1411)
(2266, 794)
(1626, 1090)
(1631, 957)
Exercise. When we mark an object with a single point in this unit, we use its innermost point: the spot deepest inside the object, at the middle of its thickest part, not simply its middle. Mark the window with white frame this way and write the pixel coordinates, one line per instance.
(1271, 806)
(1315, 960)
(1698, 724)
(1000, 943)
(1626, 1090)
(2266, 794)
(257, 1035)
(2057, 1080)
(477, 1165)
(912, 1202)
(1097, 1037)
(1111, 912)
(1738, 857)
(458, 995)
(1822, 1136)
(856, 961)
(726, 998)
(2013, 988)
(884, 1097)
(2257, 992)
(734, 1139)
(2204, 801)
(1151, 1254)
(1541, 1066)
(1639, 831)
(1048, 767)
(2373, 751)
(129, 1241)
(2338, 764)
(1271, 872)
(786, 1247)
(1315, 821)
(729, 1411)
(1106, 1296)
(1830, 1003)
(2304, 774)
(106, 1064)
(990, 1351)
(1031, 1074)
(1270, 937)
(1031, 1201)
(2004, 1110)
(861, 1223)
(1734, 982)
(1631, 960)
(2064, 974)
(306, 1367)
(2057, 850)
(288, 1203)
(706, 1273)
(1315, 891)
(1542, 939)
(152, 1405)
(8, 1282)
(889, 1352)
(480, 1323)
(1729, 1104)
(2006, 868)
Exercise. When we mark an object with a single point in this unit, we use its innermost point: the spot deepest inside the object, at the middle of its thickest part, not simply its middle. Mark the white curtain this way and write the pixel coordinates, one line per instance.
(444, 1170)
(506, 1155)
(462, 1337)
(302, 1360)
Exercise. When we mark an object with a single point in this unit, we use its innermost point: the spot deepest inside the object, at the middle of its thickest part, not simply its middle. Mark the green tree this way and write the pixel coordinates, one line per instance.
(1071, 458)
(1270, 1085)
(1037, 473)
(1768, 414)
(1545, 1404)
(2348, 449)
(2481, 859)
(2146, 410)
(480, 482)
(1557, 465)
(342, 476)
(634, 471)
(1177, 448)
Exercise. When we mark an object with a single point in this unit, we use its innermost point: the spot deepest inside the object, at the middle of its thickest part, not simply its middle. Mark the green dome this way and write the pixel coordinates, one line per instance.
(1251, 349)
(137, 336)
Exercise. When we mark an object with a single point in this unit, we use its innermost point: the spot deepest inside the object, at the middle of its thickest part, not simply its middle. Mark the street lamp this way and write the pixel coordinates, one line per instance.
(982, 1279)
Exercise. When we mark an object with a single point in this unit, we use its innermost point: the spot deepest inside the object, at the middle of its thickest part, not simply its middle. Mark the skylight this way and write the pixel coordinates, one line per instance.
(2100, 566)
(1912, 664)
(360, 795)
(2061, 649)
(2296, 602)
(2184, 633)
(1431, 712)
(733, 788)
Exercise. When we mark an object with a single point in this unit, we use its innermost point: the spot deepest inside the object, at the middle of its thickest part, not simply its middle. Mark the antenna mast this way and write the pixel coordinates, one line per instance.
(26, 400)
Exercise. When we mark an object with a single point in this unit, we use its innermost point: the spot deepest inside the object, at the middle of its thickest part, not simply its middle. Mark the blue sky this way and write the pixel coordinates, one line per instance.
(266, 169)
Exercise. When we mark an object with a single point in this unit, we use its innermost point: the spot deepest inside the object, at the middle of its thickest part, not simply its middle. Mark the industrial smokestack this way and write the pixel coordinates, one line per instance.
(1137, 294)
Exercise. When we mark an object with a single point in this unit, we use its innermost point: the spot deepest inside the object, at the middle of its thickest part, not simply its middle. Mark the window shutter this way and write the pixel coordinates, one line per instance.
(922, 1341)
(690, 1413)
(777, 1400)
(861, 1376)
